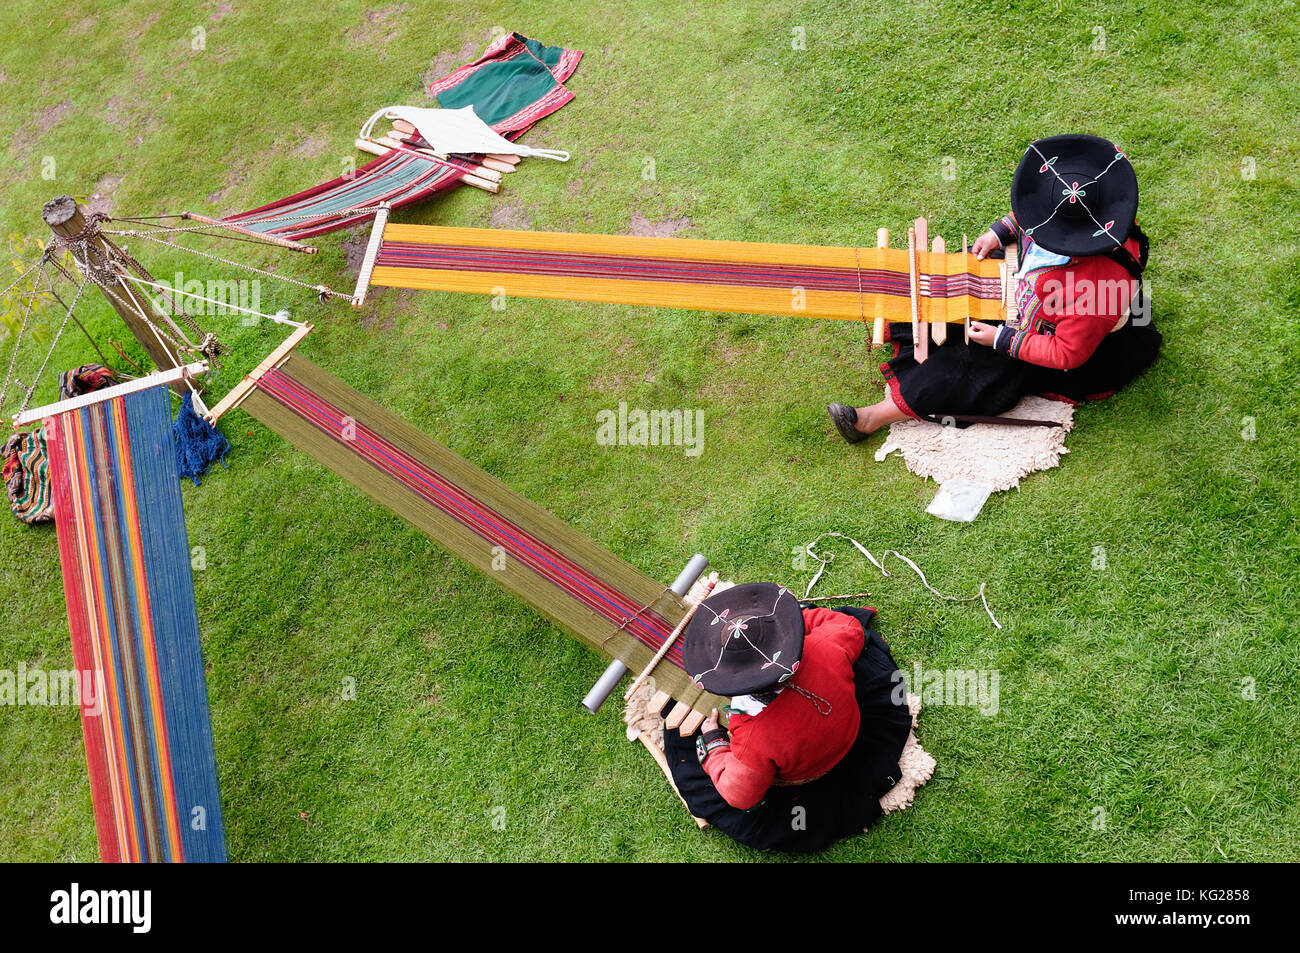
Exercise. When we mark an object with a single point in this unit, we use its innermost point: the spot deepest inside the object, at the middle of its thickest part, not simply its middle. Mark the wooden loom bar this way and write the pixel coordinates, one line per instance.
(668, 643)
(483, 172)
(110, 393)
(241, 390)
(372, 252)
(263, 236)
(378, 149)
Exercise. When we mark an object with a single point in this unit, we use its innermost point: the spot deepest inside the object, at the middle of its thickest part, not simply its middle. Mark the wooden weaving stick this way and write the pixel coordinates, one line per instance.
(378, 149)
(110, 393)
(939, 326)
(921, 342)
(965, 250)
(245, 387)
(266, 237)
(913, 285)
(372, 252)
(878, 328)
(668, 643)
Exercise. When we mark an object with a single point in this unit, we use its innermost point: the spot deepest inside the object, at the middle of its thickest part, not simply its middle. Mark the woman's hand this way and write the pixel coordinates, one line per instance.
(988, 242)
(710, 723)
(983, 333)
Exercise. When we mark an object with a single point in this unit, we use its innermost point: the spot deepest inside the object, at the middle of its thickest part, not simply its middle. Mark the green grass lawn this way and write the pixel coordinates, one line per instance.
(1121, 689)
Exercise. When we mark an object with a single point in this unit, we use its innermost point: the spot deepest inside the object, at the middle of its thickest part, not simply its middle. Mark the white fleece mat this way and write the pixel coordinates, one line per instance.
(987, 454)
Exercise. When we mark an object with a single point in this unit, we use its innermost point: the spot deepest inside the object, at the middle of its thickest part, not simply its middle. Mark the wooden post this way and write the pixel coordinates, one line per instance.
(67, 221)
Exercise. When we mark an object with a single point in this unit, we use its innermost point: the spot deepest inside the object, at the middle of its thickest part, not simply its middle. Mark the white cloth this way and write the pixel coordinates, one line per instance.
(747, 704)
(457, 130)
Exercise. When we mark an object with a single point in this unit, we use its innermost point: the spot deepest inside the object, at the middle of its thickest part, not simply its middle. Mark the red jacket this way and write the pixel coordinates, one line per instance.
(1066, 311)
(789, 741)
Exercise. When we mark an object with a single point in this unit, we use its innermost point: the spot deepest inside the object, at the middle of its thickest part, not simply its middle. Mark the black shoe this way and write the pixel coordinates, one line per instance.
(844, 417)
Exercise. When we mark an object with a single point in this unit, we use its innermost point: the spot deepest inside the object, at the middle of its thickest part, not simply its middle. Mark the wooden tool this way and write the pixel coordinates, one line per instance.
(913, 286)
(668, 642)
(378, 147)
(965, 250)
(878, 328)
(939, 326)
(921, 339)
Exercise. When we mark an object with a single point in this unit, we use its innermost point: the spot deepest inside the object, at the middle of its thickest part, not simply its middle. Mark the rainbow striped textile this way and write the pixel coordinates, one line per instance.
(135, 632)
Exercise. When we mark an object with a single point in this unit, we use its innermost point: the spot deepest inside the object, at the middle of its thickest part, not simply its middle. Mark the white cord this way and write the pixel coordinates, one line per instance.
(879, 564)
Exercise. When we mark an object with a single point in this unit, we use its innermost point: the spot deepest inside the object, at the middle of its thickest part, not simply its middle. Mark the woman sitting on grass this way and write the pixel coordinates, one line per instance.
(1073, 202)
(819, 720)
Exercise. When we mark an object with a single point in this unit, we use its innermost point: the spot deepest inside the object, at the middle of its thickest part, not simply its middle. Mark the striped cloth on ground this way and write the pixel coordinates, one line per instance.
(27, 476)
(135, 639)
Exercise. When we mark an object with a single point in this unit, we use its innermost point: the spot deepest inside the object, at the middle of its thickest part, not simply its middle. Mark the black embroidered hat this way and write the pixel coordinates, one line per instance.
(1075, 195)
(745, 639)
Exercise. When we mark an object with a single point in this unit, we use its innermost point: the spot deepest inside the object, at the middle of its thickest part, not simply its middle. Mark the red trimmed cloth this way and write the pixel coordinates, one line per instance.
(791, 741)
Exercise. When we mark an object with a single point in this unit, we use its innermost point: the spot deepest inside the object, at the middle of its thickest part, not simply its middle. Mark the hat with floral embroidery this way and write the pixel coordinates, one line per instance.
(745, 639)
(1075, 195)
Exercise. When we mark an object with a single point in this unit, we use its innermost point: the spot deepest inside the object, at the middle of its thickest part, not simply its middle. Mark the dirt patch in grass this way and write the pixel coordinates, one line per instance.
(510, 215)
(381, 26)
(448, 60)
(101, 200)
(82, 26)
(222, 11)
(50, 117)
(354, 248)
(665, 229)
(313, 147)
(579, 182)
(233, 178)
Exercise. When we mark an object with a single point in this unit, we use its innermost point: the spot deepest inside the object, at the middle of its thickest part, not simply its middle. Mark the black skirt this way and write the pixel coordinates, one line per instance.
(807, 817)
(975, 379)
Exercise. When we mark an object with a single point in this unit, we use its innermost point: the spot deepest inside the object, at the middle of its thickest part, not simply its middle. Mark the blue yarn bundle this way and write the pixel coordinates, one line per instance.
(198, 442)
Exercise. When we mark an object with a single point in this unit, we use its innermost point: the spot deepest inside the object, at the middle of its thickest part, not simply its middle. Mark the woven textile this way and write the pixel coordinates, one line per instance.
(748, 277)
(608, 604)
(514, 84)
(27, 476)
(135, 639)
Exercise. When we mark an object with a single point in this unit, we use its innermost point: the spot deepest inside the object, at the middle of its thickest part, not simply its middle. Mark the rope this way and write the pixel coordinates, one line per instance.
(13, 359)
(280, 317)
(27, 399)
(322, 290)
(879, 564)
(291, 217)
(23, 277)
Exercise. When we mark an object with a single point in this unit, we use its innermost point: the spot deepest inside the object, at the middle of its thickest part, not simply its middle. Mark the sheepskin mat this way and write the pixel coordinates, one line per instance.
(990, 455)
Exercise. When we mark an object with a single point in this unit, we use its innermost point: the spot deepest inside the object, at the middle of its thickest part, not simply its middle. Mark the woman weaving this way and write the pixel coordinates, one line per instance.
(1073, 203)
(819, 720)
